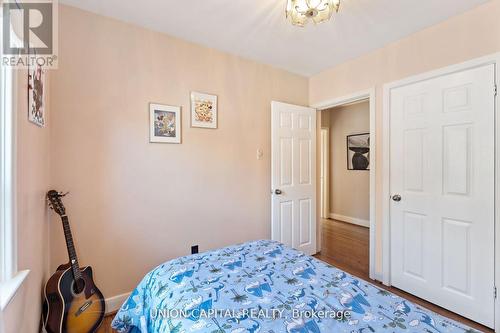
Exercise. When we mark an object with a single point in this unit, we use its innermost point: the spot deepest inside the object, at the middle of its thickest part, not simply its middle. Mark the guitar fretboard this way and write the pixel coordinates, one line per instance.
(73, 259)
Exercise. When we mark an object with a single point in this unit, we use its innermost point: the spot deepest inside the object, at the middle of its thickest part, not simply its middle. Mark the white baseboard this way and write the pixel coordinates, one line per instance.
(348, 219)
(114, 303)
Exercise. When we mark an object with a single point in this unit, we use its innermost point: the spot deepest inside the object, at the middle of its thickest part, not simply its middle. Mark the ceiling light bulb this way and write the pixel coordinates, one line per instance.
(299, 12)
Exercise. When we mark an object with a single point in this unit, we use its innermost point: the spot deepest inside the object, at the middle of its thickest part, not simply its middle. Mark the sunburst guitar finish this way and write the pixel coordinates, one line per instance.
(72, 302)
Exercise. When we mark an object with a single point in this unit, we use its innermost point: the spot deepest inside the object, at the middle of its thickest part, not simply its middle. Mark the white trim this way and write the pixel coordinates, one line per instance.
(10, 287)
(8, 238)
(497, 193)
(350, 219)
(114, 303)
(352, 98)
(325, 168)
(487, 60)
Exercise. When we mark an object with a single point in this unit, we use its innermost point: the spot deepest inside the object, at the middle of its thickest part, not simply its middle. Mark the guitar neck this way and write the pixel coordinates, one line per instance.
(71, 249)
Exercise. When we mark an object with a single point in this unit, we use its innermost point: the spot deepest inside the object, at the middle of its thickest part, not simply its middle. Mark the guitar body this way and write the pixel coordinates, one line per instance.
(66, 311)
(72, 302)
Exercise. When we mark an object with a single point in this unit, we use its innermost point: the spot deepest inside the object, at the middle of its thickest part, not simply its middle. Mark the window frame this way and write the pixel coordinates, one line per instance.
(7, 177)
(10, 278)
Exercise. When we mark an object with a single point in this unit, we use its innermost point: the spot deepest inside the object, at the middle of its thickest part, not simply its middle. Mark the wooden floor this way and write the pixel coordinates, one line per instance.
(106, 324)
(346, 246)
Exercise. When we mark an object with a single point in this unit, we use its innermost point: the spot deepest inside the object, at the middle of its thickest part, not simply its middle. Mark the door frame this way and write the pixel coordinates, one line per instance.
(369, 95)
(325, 164)
(386, 224)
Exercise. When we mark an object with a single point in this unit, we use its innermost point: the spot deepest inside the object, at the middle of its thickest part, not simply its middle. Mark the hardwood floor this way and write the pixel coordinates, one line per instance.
(106, 324)
(346, 246)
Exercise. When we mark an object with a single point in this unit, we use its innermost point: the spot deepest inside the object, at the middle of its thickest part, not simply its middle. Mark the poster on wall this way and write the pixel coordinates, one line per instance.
(358, 152)
(165, 123)
(203, 110)
(36, 95)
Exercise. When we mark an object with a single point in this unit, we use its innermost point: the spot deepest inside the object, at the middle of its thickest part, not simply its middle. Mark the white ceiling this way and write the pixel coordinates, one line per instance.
(256, 29)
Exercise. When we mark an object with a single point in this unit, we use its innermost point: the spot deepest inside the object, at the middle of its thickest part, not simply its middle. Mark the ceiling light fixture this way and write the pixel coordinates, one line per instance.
(301, 11)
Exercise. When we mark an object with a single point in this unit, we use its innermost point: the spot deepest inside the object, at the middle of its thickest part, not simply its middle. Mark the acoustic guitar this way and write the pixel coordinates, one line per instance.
(72, 302)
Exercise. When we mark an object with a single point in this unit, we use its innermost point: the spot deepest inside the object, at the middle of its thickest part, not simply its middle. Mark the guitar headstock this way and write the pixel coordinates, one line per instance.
(55, 202)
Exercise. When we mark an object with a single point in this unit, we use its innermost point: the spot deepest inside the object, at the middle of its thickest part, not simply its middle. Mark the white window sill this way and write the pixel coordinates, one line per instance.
(9, 288)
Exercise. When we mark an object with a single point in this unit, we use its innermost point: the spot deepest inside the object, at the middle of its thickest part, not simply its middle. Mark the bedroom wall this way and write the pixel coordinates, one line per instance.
(461, 38)
(349, 189)
(133, 204)
(22, 314)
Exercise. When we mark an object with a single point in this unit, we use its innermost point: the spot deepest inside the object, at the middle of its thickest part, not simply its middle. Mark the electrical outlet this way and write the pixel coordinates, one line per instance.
(194, 249)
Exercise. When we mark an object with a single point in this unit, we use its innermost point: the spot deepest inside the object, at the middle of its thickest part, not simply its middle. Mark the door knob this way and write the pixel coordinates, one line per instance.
(396, 197)
(278, 192)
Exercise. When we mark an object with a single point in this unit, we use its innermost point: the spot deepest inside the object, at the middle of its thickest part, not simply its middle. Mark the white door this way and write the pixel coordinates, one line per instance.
(294, 176)
(442, 183)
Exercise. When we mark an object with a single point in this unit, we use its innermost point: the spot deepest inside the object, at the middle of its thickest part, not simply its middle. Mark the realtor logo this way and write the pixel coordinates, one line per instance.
(29, 33)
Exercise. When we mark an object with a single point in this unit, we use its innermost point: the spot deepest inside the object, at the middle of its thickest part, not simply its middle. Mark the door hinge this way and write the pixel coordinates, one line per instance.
(495, 292)
(495, 89)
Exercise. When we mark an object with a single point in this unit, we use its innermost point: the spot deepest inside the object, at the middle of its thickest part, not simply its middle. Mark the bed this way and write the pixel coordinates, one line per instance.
(264, 286)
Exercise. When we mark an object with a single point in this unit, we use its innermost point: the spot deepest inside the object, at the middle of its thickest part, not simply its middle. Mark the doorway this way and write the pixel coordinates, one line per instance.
(345, 186)
(346, 179)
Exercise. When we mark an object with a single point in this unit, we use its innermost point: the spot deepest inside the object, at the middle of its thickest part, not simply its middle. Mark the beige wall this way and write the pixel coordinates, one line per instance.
(134, 205)
(349, 189)
(464, 37)
(23, 312)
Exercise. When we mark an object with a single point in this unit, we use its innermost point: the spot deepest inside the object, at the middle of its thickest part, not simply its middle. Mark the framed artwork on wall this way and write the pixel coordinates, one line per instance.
(203, 110)
(36, 95)
(164, 123)
(358, 152)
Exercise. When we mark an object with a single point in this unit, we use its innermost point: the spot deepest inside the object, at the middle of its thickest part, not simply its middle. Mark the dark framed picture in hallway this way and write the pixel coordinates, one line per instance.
(358, 151)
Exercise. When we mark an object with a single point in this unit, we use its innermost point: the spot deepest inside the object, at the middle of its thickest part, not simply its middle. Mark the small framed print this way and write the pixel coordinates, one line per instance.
(36, 95)
(164, 123)
(203, 110)
(358, 152)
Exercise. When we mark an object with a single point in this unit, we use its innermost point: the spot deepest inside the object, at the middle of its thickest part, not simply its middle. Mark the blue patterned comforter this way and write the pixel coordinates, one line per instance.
(266, 287)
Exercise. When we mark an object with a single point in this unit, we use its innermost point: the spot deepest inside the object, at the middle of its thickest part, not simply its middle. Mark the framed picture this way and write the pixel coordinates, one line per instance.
(358, 152)
(36, 95)
(164, 123)
(203, 110)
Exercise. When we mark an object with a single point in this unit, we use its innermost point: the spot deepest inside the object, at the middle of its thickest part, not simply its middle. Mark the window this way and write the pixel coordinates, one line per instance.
(7, 265)
(10, 278)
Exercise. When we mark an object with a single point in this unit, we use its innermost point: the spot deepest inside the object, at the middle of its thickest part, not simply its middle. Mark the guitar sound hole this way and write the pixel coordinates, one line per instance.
(78, 286)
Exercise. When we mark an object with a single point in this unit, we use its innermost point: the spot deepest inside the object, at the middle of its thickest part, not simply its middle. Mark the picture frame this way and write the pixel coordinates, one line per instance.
(165, 123)
(358, 152)
(36, 95)
(203, 110)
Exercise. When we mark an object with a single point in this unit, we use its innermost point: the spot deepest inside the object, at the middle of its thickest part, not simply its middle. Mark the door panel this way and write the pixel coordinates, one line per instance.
(286, 222)
(294, 174)
(286, 162)
(456, 250)
(442, 165)
(414, 226)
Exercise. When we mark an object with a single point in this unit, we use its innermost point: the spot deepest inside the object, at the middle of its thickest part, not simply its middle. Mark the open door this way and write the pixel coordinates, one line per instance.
(294, 176)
